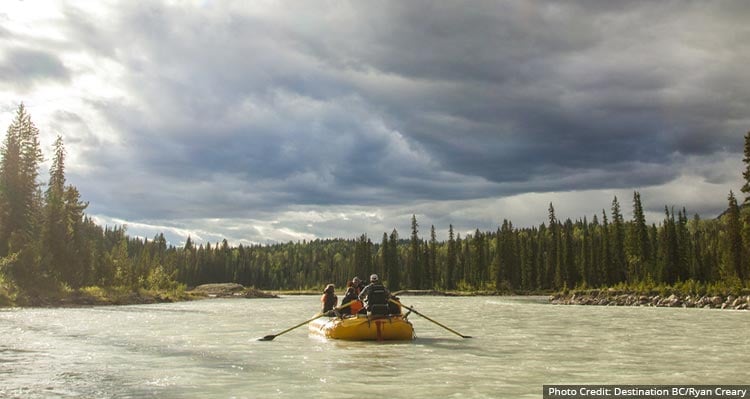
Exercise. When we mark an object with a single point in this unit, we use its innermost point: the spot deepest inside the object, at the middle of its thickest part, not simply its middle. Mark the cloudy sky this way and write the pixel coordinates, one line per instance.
(274, 121)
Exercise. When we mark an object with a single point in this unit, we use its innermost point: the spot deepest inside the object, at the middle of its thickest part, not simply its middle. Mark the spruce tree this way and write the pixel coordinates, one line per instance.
(461, 260)
(554, 267)
(20, 202)
(733, 252)
(478, 259)
(570, 272)
(542, 265)
(432, 275)
(639, 249)
(383, 257)
(451, 261)
(18, 182)
(619, 267)
(586, 253)
(595, 250)
(606, 253)
(55, 231)
(13, 216)
(669, 248)
(415, 255)
(497, 261)
(746, 173)
(684, 246)
(394, 267)
(745, 211)
(363, 256)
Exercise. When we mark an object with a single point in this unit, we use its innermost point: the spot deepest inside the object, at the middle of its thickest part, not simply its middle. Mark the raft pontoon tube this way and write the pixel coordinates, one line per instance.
(363, 328)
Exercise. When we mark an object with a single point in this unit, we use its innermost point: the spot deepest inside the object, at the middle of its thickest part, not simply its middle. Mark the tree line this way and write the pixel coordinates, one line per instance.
(47, 240)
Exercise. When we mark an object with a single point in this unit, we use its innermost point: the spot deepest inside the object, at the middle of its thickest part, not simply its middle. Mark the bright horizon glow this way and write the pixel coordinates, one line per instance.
(279, 121)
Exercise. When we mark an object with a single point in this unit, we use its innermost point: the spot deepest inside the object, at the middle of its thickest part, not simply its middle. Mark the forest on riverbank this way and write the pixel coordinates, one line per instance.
(49, 248)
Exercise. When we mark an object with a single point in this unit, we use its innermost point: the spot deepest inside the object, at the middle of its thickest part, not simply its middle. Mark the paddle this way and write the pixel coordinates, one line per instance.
(272, 336)
(440, 324)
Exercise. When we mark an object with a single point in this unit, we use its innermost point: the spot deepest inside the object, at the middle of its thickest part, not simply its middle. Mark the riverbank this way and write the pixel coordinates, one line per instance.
(229, 290)
(611, 297)
(95, 296)
(408, 292)
(108, 296)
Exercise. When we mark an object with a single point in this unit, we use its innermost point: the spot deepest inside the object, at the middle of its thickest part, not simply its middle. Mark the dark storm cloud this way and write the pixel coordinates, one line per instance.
(365, 104)
(21, 68)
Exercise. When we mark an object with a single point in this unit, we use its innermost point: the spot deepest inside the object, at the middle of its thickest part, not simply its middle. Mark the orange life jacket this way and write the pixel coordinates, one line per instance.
(356, 306)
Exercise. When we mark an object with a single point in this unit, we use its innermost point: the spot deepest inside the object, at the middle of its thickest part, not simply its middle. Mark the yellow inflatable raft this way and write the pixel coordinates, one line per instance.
(363, 328)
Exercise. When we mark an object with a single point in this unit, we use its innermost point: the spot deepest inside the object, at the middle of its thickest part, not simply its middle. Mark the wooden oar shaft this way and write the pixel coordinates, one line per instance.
(272, 336)
(300, 324)
(346, 304)
(434, 321)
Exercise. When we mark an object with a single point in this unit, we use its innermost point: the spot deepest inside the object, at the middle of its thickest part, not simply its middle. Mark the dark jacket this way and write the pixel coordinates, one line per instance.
(374, 294)
(351, 295)
(328, 301)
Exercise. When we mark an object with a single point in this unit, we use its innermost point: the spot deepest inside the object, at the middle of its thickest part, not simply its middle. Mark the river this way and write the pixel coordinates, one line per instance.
(209, 349)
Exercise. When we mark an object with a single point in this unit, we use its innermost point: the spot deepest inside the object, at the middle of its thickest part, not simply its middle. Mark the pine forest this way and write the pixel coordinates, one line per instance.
(47, 242)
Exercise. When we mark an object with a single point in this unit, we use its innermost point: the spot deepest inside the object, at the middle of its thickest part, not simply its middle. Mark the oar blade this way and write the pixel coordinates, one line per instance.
(272, 336)
(433, 321)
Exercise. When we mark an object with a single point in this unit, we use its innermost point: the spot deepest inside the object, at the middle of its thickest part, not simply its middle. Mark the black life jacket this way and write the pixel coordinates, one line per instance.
(377, 295)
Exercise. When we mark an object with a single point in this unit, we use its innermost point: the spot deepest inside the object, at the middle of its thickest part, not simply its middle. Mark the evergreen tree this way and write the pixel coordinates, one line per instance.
(745, 211)
(543, 273)
(424, 265)
(122, 264)
(554, 267)
(528, 261)
(432, 274)
(393, 267)
(383, 257)
(619, 267)
(595, 273)
(497, 261)
(639, 248)
(746, 173)
(415, 255)
(18, 173)
(733, 258)
(461, 260)
(606, 253)
(684, 244)
(669, 248)
(451, 261)
(363, 256)
(585, 254)
(20, 201)
(13, 217)
(570, 273)
(55, 232)
(478, 259)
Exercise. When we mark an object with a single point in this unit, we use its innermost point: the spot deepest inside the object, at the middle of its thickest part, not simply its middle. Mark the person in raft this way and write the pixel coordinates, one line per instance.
(375, 297)
(352, 299)
(329, 300)
(358, 284)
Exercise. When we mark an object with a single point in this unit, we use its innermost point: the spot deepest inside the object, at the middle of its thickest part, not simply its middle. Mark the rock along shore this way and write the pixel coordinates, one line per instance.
(229, 290)
(618, 298)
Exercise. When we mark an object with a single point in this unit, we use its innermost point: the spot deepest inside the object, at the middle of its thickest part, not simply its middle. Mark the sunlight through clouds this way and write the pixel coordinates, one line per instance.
(276, 121)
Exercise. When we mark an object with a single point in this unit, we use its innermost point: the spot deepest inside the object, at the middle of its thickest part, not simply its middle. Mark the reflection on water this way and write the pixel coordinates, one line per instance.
(210, 349)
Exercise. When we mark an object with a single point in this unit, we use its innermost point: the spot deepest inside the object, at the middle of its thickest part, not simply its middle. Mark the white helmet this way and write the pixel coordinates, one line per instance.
(374, 277)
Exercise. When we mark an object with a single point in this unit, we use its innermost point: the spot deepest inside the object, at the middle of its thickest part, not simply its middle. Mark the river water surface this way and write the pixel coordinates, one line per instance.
(209, 349)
